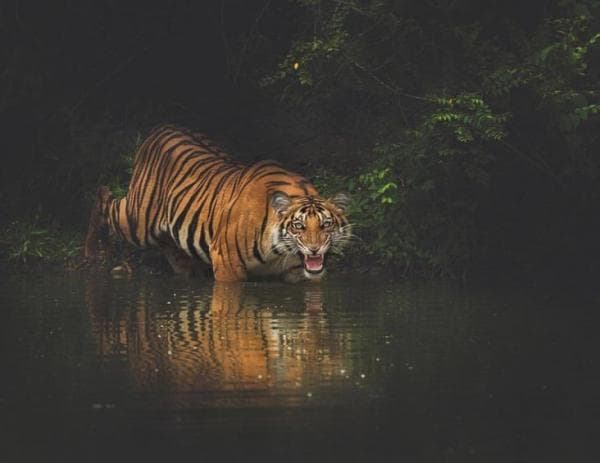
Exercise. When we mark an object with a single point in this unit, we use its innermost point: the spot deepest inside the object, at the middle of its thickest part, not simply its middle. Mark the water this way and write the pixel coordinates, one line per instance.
(96, 368)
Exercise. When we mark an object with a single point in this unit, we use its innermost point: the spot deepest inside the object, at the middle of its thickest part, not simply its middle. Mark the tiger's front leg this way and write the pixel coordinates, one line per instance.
(227, 268)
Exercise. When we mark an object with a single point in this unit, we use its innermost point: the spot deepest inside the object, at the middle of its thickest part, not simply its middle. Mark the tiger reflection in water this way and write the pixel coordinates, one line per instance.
(226, 343)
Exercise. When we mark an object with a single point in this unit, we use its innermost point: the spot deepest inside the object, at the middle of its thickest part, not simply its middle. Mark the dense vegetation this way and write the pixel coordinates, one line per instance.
(467, 132)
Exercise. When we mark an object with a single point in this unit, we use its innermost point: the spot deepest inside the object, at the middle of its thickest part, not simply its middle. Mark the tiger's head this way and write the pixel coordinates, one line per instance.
(310, 226)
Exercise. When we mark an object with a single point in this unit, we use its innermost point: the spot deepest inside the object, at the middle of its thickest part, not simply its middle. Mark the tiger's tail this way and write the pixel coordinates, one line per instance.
(108, 218)
(96, 237)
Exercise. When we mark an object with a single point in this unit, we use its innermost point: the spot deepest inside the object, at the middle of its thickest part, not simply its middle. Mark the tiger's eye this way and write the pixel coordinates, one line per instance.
(297, 225)
(327, 223)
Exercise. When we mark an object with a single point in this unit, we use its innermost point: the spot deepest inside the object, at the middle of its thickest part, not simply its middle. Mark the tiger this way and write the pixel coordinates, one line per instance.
(187, 197)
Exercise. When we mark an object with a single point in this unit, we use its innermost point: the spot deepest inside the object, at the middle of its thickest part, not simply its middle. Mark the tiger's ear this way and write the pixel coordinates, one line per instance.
(341, 200)
(280, 202)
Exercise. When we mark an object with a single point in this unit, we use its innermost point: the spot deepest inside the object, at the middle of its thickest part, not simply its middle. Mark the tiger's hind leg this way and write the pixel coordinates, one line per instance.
(96, 244)
(179, 261)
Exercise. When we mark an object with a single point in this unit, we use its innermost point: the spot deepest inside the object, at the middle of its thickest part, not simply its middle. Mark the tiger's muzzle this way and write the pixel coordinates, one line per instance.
(313, 263)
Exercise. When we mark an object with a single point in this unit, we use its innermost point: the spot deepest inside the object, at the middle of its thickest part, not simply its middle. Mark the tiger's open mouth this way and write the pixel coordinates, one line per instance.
(313, 264)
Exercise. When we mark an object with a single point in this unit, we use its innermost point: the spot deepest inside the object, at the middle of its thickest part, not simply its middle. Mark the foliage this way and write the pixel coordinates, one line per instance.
(464, 116)
(32, 241)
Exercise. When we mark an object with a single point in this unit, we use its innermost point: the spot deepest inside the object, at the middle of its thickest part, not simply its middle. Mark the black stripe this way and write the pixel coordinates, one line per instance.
(179, 221)
(114, 216)
(153, 149)
(155, 189)
(303, 184)
(237, 243)
(204, 244)
(175, 200)
(176, 177)
(239, 252)
(191, 231)
(256, 252)
(132, 226)
(259, 175)
(213, 202)
(161, 173)
(256, 172)
(201, 189)
(265, 220)
(276, 183)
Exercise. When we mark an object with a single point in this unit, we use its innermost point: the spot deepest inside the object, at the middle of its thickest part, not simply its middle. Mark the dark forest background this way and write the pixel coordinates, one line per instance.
(466, 131)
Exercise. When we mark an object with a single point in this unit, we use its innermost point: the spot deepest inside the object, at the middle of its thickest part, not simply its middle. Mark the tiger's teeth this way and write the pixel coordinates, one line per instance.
(313, 263)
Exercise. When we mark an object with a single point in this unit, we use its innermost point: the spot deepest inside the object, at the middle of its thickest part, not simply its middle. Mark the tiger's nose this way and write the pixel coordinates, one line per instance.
(314, 249)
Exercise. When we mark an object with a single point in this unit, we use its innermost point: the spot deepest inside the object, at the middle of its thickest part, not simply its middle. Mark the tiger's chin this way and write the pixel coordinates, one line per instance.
(311, 269)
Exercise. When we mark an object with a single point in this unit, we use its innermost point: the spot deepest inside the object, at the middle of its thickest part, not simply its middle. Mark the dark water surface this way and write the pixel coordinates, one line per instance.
(157, 368)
